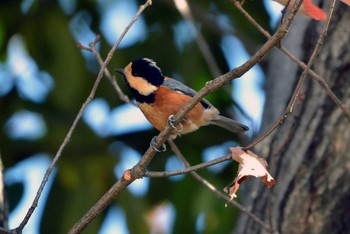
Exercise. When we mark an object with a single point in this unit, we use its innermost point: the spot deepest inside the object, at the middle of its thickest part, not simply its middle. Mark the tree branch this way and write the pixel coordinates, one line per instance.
(302, 78)
(139, 169)
(220, 81)
(110, 77)
(218, 193)
(185, 11)
(313, 56)
(301, 64)
(75, 122)
(158, 174)
(121, 184)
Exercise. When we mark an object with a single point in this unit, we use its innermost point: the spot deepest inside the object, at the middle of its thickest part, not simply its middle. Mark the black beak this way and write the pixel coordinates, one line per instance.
(120, 70)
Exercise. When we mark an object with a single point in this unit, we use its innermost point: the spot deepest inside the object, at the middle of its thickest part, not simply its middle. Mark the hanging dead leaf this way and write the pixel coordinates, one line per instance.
(249, 165)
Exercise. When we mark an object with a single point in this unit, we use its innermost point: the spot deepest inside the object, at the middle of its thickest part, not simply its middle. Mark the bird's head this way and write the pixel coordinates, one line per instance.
(143, 75)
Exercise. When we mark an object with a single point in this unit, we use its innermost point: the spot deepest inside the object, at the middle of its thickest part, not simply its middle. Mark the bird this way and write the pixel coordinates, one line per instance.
(160, 98)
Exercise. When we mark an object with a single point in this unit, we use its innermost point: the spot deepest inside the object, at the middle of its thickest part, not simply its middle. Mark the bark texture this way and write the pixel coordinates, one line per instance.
(309, 154)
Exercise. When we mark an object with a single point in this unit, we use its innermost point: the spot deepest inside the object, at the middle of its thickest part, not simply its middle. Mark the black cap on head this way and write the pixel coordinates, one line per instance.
(147, 69)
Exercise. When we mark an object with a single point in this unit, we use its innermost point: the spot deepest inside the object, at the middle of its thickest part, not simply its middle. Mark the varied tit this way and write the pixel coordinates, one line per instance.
(160, 97)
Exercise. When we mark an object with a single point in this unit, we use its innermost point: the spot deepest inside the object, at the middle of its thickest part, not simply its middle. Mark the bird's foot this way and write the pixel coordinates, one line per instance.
(153, 145)
(171, 121)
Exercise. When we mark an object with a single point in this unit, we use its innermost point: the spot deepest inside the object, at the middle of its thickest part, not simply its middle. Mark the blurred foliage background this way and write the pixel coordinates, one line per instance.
(45, 78)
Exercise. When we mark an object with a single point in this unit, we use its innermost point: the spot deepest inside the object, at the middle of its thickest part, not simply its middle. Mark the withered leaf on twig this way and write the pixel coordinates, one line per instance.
(249, 165)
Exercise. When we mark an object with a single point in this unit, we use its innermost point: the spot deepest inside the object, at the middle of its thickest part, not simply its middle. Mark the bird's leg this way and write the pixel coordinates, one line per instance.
(153, 145)
(171, 123)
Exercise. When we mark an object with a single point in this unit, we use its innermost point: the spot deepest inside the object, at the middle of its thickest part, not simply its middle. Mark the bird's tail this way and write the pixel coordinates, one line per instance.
(229, 124)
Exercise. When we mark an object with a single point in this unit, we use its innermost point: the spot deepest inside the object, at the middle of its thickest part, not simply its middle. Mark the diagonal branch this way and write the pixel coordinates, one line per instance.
(92, 49)
(58, 154)
(310, 72)
(138, 170)
(220, 81)
(74, 124)
(313, 56)
(218, 193)
(121, 184)
(157, 174)
(185, 11)
(302, 78)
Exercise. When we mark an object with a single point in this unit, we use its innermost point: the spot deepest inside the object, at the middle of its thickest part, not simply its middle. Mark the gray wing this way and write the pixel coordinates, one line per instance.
(221, 121)
(180, 87)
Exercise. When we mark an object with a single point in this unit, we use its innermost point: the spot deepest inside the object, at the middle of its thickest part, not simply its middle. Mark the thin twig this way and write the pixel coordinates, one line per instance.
(284, 11)
(313, 56)
(122, 183)
(139, 169)
(302, 78)
(233, 74)
(301, 64)
(215, 84)
(75, 122)
(218, 193)
(111, 78)
(185, 11)
(58, 154)
(158, 174)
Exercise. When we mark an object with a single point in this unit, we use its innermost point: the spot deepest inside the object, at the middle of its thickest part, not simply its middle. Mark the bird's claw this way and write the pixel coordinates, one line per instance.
(171, 121)
(153, 144)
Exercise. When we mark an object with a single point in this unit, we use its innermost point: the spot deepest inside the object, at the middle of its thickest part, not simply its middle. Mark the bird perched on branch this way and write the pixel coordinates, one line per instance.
(160, 98)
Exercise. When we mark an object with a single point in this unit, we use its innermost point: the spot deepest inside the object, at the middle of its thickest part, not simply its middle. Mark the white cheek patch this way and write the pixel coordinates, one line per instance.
(141, 85)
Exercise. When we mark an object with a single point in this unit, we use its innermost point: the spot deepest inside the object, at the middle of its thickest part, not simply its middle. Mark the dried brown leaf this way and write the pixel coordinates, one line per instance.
(249, 165)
